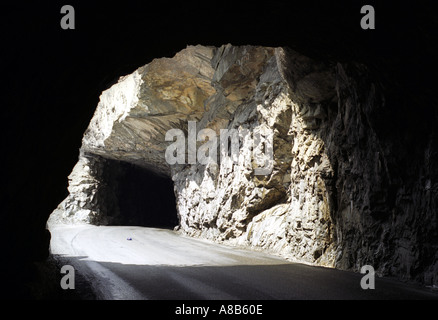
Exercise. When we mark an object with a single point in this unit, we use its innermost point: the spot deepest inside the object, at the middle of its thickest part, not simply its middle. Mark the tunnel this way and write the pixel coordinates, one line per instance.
(52, 93)
(134, 196)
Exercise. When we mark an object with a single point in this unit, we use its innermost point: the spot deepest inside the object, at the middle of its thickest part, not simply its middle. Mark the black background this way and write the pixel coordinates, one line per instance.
(52, 78)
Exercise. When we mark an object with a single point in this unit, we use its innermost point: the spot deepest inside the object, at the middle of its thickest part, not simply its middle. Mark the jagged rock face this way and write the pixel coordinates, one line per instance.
(332, 197)
(92, 197)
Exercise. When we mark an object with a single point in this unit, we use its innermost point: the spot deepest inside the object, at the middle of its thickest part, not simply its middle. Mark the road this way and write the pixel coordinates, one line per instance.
(124, 262)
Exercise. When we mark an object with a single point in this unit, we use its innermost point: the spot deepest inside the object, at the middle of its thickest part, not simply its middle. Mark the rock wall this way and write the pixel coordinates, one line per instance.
(343, 190)
(286, 211)
(92, 198)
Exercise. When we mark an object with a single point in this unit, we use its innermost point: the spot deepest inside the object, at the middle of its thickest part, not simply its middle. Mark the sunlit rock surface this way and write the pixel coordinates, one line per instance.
(337, 194)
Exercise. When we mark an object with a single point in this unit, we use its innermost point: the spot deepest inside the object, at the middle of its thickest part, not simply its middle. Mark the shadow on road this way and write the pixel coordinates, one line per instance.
(289, 281)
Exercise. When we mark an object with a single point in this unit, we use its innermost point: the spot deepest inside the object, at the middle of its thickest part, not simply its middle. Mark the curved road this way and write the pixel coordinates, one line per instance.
(147, 263)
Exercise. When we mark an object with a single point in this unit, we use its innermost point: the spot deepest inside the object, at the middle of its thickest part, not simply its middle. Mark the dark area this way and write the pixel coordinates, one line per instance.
(145, 198)
(288, 282)
(53, 79)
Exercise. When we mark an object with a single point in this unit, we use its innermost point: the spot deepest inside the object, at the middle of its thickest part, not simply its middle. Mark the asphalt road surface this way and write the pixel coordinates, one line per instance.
(124, 262)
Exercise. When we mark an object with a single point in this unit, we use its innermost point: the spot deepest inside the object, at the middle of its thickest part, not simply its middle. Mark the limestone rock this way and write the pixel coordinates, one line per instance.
(92, 199)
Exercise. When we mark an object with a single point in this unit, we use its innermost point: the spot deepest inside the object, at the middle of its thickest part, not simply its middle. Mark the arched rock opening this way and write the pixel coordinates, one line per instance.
(112, 192)
(334, 196)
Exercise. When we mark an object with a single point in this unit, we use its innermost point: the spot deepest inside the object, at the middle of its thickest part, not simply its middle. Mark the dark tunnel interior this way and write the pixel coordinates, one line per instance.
(142, 197)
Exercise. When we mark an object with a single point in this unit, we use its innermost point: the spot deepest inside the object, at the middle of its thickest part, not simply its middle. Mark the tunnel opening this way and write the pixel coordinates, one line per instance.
(136, 196)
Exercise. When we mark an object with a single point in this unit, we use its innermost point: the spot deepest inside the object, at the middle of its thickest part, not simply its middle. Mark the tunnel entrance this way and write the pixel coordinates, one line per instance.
(139, 197)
